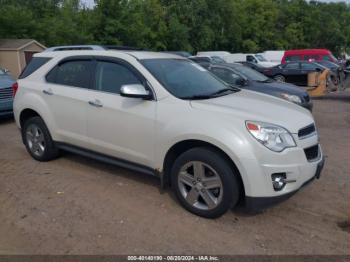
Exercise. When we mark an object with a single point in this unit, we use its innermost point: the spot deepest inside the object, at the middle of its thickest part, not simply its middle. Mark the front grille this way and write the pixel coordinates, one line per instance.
(306, 131)
(5, 93)
(312, 153)
(307, 98)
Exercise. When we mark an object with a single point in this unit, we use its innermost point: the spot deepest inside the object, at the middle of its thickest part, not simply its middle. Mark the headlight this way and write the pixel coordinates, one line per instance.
(274, 137)
(291, 98)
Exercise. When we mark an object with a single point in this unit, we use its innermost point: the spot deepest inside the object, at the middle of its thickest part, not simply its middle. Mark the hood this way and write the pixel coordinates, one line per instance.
(248, 105)
(6, 81)
(275, 88)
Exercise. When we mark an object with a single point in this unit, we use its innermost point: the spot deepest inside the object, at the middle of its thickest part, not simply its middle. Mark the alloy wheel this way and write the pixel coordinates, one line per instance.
(200, 185)
(35, 140)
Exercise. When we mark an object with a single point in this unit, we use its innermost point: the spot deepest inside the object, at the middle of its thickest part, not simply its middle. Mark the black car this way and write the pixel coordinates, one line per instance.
(247, 78)
(293, 72)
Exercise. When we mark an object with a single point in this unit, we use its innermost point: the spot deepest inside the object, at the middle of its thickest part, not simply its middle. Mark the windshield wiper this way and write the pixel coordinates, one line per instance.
(224, 90)
(215, 94)
(196, 97)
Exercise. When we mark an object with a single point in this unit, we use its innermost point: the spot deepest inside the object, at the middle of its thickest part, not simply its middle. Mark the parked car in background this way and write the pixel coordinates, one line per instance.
(207, 60)
(247, 78)
(6, 98)
(221, 54)
(166, 116)
(180, 53)
(308, 55)
(273, 56)
(293, 72)
(252, 58)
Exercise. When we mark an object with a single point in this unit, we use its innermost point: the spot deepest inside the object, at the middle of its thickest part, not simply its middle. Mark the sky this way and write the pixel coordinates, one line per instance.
(90, 3)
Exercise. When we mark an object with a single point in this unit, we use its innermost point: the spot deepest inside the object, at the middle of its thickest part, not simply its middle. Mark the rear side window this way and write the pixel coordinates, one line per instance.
(308, 66)
(33, 65)
(75, 73)
(292, 66)
(110, 77)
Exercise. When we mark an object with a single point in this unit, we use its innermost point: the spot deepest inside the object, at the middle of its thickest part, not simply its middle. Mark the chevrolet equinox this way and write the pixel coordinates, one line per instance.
(162, 114)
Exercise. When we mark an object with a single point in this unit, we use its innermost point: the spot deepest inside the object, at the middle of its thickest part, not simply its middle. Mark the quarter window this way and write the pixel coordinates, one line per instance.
(73, 73)
(110, 77)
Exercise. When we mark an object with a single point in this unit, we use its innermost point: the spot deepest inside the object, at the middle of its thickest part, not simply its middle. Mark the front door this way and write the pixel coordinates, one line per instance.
(119, 126)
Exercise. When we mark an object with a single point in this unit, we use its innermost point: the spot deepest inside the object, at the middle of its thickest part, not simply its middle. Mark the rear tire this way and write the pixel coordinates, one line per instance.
(280, 78)
(204, 182)
(38, 141)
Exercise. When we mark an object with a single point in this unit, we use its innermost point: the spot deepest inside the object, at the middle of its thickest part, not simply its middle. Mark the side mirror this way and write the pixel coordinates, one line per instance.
(241, 82)
(135, 91)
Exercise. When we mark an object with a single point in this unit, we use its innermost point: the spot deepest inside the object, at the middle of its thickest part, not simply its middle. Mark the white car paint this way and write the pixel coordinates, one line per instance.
(142, 131)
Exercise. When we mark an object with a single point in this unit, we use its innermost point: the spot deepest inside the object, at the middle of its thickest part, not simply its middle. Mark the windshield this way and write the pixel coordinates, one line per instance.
(183, 78)
(251, 74)
(261, 58)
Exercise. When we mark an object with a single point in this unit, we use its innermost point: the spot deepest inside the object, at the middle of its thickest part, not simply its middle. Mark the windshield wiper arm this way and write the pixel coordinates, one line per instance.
(232, 89)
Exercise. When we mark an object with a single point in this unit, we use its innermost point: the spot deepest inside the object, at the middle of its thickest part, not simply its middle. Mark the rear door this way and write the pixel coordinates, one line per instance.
(291, 71)
(66, 93)
(119, 126)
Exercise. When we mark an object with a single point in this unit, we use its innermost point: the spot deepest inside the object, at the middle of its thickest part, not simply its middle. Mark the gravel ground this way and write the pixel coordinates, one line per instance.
(74, 205)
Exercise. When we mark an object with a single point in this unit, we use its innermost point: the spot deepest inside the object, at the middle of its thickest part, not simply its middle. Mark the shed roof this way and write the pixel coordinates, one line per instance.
(17, 44)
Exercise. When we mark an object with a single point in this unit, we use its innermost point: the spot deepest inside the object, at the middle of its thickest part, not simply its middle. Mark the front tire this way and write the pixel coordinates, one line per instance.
(204, 182)
(38, 141)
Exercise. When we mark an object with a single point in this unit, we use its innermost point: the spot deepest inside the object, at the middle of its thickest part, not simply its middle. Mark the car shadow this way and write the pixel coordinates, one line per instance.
(113, 169)
(6, 120)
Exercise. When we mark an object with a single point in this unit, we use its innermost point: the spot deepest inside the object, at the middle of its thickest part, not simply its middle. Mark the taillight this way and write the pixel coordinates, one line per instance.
(14, 89)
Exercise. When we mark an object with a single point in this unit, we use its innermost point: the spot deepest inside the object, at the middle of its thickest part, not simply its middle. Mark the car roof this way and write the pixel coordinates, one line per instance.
(113, 53)
(306, 51)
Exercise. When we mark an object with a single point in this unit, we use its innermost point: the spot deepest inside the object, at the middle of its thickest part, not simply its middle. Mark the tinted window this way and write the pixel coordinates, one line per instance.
(311, 57)
(293, 58)
(250, 73)
(33, 65)
(292, 66)
(183, 78)
(326, 57)
(308, 66)
(73, 73)
(251, 59)
(226, 75)
(110, 77)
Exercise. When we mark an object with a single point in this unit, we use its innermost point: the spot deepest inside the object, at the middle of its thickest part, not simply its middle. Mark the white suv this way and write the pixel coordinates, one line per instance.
(163, 115)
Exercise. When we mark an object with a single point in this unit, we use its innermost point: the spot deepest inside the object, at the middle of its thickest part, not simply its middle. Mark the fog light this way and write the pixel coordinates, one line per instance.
(278, 181)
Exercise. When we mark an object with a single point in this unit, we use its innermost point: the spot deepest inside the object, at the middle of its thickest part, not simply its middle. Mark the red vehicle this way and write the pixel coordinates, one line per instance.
(308, 55)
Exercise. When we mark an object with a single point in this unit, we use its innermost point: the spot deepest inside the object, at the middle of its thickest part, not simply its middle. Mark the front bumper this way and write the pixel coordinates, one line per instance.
(255, 204)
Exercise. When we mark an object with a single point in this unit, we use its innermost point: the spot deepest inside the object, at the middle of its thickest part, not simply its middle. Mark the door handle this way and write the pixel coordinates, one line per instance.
(48, 92)
(96, 103)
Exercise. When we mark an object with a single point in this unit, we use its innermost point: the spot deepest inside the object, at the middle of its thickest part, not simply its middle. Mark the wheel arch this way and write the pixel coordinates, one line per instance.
(182, 146)
(26, 114)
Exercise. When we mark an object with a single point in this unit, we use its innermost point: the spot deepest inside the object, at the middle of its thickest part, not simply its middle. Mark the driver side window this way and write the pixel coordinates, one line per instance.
(110, 77)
